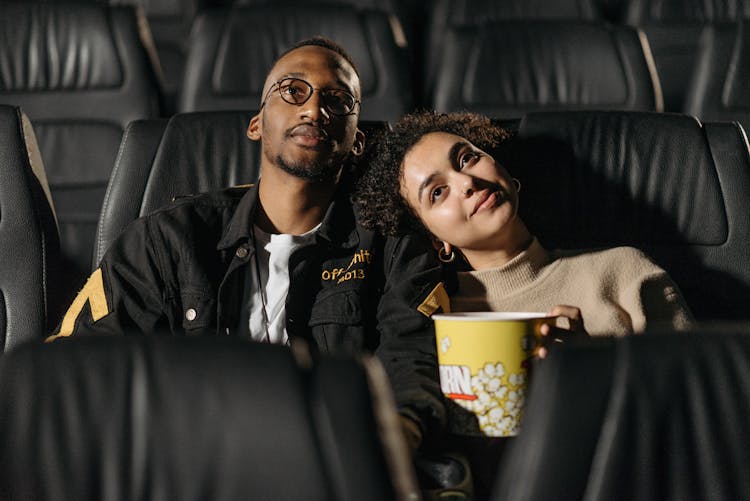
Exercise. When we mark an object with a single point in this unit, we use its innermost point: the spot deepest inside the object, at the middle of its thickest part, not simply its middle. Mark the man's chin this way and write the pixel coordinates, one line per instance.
(318, 171)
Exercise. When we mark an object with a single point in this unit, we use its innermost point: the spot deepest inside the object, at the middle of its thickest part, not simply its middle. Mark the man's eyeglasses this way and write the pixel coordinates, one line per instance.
(296, 91)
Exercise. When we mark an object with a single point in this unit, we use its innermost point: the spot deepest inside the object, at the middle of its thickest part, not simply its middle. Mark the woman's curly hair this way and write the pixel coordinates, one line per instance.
(378, 190)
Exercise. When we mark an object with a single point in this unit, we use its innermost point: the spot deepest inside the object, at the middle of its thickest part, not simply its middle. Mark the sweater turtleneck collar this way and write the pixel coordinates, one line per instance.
(506, 279)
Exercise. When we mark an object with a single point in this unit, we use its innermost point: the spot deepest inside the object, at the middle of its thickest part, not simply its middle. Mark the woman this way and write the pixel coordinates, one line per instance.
(431, 175)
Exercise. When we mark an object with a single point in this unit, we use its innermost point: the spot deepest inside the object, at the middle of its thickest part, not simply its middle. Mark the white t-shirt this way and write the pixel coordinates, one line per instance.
(272, 252)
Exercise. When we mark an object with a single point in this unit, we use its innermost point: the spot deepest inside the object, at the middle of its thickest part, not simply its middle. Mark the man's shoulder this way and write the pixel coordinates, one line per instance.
(228, 197)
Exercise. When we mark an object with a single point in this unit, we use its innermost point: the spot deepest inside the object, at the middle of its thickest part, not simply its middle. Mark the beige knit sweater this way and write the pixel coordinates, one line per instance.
(619, 291)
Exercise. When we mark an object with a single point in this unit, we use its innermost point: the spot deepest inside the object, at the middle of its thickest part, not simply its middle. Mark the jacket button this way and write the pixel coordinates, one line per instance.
(241, 252)
(190, 314)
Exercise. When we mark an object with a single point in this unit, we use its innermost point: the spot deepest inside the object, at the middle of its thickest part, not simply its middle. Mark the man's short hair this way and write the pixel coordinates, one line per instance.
(324, 42)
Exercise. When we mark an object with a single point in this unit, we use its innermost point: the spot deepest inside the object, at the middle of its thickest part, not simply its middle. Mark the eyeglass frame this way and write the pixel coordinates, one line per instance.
(277, 86)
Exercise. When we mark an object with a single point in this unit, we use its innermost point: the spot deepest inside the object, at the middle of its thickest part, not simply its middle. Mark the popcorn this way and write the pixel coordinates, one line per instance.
(499, 399)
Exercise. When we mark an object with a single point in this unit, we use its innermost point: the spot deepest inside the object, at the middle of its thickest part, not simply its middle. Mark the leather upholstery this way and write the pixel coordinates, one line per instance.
(721, 77)
(81, 74)
(191, 419)
(160, 160)
(673, 29)
(256, 35)
(504, 69)
(445, 14)
(191, 153)
(169, 23)
(29, 245)
(643, 417)
(665, 183)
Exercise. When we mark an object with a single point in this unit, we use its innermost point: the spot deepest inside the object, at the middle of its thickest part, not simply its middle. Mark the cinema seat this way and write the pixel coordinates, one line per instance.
(446, 14)
(151, 417)
(505, 69)
(232, 50)
(658, 416)
(191, 153)
(673, 29)
(721, 75)
(29, 245)
(81, 73)
(665, 183)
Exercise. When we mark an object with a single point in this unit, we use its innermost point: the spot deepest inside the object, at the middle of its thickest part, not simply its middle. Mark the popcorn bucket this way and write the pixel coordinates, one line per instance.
(484, 359)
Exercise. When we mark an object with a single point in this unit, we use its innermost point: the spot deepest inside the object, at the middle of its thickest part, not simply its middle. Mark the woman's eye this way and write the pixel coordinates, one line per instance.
(467, 158)
(435, 194)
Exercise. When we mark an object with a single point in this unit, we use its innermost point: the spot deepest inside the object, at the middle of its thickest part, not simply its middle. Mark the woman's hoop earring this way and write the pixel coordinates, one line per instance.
(518, 185)
(444, 257)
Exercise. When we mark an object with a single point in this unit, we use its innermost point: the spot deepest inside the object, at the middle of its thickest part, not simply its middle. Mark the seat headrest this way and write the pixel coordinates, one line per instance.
(617, 178)
(641, 11)
(145, 417)
(63, 48)
(258, 34)
(199, 152)
(663, 408)
(504, 69)
(59, 58)
(473, 12)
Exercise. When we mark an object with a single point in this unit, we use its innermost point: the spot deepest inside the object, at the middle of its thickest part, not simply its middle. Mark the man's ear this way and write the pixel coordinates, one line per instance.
(253, 129)
(359, 143)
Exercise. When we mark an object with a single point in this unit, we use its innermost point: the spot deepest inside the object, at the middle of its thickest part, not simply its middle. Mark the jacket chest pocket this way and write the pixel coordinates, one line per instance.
(336, 322)
(198, 311)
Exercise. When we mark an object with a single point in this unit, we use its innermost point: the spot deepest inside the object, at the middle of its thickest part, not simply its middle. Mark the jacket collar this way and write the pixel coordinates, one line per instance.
(339, 226)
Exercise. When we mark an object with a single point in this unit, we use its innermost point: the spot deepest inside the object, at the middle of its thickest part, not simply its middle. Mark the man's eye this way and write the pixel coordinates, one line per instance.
(435, 194)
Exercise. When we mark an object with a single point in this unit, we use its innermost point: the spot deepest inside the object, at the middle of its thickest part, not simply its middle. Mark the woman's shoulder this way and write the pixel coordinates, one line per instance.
(626, 259)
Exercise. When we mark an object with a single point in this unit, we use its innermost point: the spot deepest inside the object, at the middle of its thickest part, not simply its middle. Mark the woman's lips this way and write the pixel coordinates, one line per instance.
(488, 199)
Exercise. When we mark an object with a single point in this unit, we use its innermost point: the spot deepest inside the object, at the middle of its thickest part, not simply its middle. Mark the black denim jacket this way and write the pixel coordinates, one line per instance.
(182, 270)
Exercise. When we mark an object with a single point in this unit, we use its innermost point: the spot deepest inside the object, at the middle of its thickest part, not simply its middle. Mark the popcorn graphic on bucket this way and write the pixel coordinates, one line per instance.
(483, 359)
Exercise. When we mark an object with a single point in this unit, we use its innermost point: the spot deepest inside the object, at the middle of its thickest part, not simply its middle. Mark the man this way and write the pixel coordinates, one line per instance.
(284, 259)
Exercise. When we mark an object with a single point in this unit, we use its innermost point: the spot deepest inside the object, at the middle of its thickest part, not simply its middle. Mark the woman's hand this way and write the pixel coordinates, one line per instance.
(558, 334)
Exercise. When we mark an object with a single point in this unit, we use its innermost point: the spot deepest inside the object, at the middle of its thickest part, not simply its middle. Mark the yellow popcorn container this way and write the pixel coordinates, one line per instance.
(484, 359)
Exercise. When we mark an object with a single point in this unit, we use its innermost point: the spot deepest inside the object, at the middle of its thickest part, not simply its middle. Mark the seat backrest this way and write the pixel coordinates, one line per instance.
(445, 14)
(81, 74)
(191, 153)
(721, 76)
(504, 69)
(169, 23)
(160, 160)
(231, 52)
(665, 183)
(673, 29)
(29, 245)
(151, 417)
(644, 417)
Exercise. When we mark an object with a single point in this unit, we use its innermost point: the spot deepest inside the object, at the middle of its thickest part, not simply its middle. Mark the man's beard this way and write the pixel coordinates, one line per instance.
(318, 171)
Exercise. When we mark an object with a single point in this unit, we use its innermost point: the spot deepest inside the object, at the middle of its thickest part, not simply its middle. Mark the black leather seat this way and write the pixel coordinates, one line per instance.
(445, 14)
(169, 24)
(81, 73)
(504, 69)
(673, 29)
(721, 76)
(29, 244)
(256, 35)
(644, 417)
(665, 183)
(139, 417)
(191, 153)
